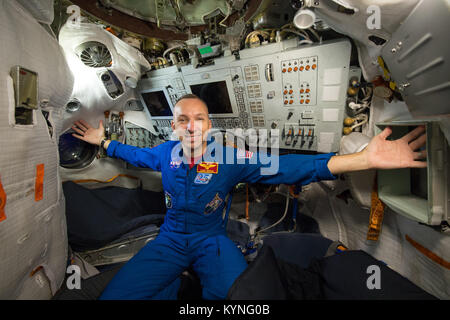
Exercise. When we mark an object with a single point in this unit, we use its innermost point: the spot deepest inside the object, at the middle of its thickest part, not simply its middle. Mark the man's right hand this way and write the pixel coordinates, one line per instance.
(88, 133)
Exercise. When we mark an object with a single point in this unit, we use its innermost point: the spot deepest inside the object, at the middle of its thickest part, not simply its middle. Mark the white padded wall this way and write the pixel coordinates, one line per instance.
(33, 236)
(42, 10)
(127, 61)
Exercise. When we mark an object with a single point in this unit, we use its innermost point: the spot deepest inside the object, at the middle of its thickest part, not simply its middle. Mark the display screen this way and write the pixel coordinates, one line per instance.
(157, 104)
(215, 94)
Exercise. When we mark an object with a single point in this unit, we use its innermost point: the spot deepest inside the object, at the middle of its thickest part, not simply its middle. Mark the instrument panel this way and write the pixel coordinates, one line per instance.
(298, 91)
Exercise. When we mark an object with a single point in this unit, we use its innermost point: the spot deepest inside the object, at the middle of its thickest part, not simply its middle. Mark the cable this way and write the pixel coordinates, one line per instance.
(262, 33)
(305, 42)
(281, 219)
(362, 117)
(106, 181)
(181, 46)
(315, 34)
(300, 33)
(228, 14)
(247, 217)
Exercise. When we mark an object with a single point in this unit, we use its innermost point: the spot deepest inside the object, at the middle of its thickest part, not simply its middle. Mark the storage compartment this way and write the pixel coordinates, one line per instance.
(420, 194)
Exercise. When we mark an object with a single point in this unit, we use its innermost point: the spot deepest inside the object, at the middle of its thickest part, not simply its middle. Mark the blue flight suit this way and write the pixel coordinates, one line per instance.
(193, 232)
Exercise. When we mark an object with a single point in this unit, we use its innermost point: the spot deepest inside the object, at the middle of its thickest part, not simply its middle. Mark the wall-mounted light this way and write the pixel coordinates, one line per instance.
(304, 19)
(73, 105)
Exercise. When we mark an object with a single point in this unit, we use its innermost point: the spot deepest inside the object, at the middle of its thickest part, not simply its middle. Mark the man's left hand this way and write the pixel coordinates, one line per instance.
(381, 153)
(401, 153)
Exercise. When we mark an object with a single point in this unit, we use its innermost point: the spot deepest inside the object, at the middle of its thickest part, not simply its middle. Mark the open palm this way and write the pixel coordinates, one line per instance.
(400, 153)
(87, 133)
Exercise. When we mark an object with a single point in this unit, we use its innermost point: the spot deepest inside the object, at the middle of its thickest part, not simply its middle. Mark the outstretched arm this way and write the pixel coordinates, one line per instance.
(139, 157)
(381, 153)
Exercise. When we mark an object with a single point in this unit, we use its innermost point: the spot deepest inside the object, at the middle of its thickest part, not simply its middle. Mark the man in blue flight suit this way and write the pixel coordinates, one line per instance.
(196, 184)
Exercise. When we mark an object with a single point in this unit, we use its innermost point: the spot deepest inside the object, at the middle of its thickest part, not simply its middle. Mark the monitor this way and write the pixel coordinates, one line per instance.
(215, 94)
(157, 104)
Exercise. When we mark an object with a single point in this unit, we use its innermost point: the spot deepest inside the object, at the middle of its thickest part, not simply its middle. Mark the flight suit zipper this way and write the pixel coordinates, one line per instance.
(187, 197)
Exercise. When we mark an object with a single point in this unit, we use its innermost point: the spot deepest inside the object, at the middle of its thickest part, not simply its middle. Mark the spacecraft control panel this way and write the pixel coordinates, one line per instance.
(299, 91)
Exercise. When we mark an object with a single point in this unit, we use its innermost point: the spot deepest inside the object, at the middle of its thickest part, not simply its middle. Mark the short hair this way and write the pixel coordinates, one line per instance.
(192, 96)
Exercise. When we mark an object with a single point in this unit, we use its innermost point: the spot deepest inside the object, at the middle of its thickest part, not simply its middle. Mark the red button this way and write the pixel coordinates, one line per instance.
(307, 67)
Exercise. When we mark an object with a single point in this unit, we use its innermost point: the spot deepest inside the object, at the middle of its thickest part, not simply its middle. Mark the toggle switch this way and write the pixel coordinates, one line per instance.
(290, 115)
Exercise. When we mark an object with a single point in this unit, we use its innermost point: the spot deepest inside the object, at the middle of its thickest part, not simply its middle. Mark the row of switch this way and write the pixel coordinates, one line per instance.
(301, 134)
(301, 68)
(302, 101)
(301, 91)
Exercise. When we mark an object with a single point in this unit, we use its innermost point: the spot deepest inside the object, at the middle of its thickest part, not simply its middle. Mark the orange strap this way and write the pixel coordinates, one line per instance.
(291, 192)
(2, 202)
(109, 180)
(429, 254)
(39, 185)
(376, 215)
(32, 273)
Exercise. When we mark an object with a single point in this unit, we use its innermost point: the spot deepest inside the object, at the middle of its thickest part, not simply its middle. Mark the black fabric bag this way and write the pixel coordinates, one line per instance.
(96, 217)
(345, 276)
(279, 272)
(262, 280)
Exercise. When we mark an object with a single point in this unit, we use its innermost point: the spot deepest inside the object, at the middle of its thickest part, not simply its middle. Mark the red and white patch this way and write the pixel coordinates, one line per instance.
(244, 154)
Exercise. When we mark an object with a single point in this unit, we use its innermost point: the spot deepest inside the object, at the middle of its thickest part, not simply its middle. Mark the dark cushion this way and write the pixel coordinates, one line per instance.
(96, 217)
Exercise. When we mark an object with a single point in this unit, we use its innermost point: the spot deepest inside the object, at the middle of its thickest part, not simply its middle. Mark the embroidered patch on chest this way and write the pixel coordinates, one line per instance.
(175, 164)
(208, 167)
(203, 178)
(213, 205)
(168, 197)
(243, 154)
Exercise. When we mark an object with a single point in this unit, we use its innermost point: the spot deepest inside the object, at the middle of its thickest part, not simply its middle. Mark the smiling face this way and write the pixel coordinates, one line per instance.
(191, 124)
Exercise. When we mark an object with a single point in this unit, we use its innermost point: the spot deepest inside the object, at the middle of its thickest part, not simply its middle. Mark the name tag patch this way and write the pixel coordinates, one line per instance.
(203, 178)
(213, 205)
(208, 167)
